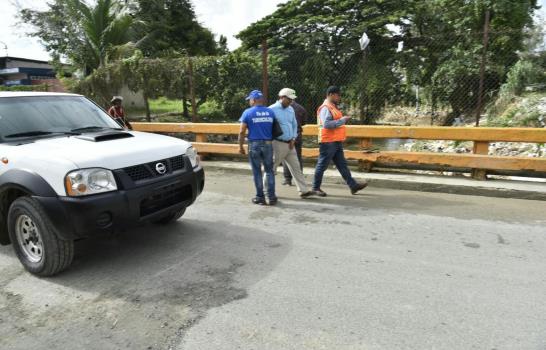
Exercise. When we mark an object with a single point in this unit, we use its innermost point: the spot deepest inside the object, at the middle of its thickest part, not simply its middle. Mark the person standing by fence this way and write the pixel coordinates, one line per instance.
(284, 147)
(117, 112)
(301, 118)
(331, 135)
(258, 120)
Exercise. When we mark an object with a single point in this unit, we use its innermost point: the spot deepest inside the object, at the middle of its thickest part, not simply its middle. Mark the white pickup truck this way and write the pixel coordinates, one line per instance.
(68, 171)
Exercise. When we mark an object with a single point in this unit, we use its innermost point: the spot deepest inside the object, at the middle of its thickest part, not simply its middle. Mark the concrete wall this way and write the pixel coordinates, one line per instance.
(131, 99)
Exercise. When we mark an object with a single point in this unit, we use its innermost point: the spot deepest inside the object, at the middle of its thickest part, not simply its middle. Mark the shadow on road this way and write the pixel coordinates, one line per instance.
(144, 287)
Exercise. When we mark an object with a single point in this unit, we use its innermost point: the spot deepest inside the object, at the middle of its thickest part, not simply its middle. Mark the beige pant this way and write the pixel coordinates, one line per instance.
(282, 152)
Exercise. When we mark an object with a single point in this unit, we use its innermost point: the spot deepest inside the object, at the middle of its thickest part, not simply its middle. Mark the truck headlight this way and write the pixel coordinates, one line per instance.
(191, 153)
(89, 181)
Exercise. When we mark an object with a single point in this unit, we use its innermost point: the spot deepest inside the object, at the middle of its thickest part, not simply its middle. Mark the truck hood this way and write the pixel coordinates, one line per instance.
(109, 154)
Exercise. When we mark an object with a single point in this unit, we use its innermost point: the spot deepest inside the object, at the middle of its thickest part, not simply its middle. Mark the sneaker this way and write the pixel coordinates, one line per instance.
(306, 194)
(319, 193)
(273, 201)
(287, 182)
(258, 201)
(359, 187)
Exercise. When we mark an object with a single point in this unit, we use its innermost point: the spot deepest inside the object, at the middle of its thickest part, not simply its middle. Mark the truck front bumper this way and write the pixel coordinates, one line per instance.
(134, 204)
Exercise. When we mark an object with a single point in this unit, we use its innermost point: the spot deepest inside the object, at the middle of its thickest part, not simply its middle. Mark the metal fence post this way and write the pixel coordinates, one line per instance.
(364, 99)
(479, 106)
(194, 118)
(265, 72)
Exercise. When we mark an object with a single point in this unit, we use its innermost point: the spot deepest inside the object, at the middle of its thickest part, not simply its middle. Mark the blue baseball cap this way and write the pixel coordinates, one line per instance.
(255, 95)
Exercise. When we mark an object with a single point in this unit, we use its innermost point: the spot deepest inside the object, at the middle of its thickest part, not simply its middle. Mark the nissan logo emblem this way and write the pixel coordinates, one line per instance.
(161, 168)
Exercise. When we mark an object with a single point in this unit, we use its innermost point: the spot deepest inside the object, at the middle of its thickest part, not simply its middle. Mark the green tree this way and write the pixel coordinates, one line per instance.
(105, 26)
(83, 33)
(528, 72)
(237, 74)
(171, 26)
(222, 45)
(317, 41)
(154, 77)
(442, 48)
(58, 28)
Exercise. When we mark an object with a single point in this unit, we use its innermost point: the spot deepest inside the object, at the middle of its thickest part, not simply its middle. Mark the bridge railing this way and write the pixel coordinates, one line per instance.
(479, 163)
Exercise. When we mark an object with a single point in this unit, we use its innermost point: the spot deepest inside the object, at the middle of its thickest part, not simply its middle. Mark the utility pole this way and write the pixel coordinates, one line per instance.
(479, 106)
(192, 91)
(417, 106)
(265, 72)
(364, 99)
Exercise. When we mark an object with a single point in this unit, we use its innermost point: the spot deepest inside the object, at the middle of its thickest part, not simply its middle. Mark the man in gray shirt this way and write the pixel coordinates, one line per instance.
(301, 118)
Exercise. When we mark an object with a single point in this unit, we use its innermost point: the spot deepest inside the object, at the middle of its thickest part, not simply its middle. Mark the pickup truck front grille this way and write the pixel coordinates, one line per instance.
(138, 172)
(164, 198)
(148, 171)
(177, 163)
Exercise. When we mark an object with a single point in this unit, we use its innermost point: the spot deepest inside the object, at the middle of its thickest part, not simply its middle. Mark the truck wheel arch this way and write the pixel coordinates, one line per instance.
(17, 183)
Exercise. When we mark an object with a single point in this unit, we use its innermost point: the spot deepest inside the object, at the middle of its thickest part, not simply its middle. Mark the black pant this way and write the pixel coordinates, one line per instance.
(332, 151)
(286, 172)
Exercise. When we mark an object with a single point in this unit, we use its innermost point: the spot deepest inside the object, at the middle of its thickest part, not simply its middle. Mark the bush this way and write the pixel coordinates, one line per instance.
(37, 88)
(521, 111)
(525, 72)
(211, 111)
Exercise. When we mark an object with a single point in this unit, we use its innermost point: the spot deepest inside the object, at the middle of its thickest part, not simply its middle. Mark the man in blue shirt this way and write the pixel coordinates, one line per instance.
(284, 147)
(258, 120)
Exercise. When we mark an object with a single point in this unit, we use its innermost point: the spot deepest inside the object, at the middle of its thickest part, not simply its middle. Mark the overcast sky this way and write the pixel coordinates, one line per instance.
(229, 17)
(226, 17)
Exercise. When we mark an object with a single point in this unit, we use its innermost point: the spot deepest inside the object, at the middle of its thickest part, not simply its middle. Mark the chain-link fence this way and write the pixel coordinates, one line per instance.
(419, 80)
(436, 80)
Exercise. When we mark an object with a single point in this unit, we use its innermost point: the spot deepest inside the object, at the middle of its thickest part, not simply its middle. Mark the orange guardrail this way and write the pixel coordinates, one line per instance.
(479, 161)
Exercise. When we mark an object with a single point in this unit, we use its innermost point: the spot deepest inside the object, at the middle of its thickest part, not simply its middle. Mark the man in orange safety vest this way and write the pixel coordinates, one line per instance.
(331, 136)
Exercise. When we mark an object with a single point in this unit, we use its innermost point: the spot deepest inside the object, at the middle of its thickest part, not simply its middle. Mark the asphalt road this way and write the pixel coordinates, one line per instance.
(383, 270)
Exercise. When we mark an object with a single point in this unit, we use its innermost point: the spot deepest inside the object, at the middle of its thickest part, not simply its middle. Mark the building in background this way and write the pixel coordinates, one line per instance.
(16, 71)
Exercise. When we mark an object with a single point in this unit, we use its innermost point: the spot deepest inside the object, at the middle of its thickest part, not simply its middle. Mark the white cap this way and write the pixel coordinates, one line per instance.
(290, 93)
(116, 98)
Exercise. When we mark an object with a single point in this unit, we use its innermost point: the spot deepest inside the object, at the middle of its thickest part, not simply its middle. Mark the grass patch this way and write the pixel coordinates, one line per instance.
(210, 112)
(161, 105)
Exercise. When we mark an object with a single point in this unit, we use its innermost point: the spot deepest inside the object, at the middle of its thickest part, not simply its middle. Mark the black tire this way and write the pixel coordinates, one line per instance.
(170, 218)
(56, 254)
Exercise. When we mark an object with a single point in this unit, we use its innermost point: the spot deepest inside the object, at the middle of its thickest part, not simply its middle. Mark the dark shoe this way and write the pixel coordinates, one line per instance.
(319, 193)
(359, 187)
(258, 201)
(287, 182)
(307, 194)
(273, 201)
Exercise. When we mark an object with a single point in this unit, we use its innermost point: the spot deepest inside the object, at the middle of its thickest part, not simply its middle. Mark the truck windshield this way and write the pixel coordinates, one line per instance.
(43, 116)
